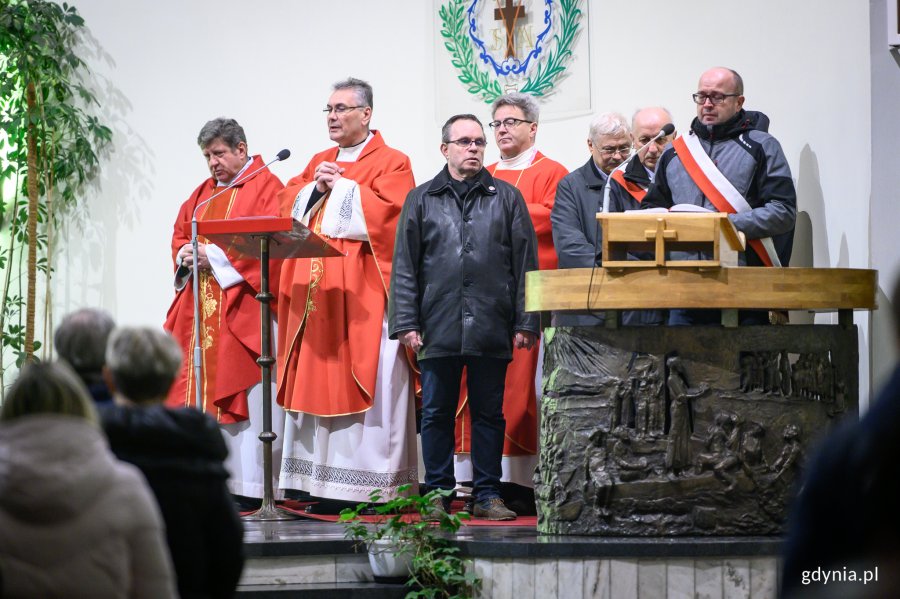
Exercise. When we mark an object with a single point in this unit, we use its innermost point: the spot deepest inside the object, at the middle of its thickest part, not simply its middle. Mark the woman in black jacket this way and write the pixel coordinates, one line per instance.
(182, 454)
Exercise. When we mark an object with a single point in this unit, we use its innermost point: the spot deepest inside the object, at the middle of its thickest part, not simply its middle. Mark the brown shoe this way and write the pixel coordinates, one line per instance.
(493, 509)
(436, 511)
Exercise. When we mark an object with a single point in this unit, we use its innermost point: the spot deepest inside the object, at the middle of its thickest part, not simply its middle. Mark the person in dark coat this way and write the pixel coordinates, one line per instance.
(182, 454)
(845, 522)
(74, 520)
(457, 299)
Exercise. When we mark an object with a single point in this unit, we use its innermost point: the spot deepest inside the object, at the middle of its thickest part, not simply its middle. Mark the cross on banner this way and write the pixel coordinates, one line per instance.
(508, 14)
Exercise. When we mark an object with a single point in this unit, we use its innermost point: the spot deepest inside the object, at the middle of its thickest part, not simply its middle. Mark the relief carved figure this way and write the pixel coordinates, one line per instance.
(678, 452)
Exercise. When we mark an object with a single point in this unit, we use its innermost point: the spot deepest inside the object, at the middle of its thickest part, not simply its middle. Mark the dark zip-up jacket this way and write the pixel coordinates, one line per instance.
(753, 161)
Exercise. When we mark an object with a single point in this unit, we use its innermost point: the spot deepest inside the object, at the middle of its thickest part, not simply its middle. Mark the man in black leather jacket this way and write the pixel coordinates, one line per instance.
(457, 299)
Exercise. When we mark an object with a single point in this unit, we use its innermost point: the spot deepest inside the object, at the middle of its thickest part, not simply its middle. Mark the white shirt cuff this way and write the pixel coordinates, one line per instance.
(222, 269)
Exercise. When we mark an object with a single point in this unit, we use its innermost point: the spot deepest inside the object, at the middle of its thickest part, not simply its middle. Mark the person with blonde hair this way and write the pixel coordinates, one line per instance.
(182, 453)
(74, 521)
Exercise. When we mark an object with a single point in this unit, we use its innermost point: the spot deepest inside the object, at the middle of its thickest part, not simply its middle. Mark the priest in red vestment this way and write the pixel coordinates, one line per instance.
(230, 327)
(515, 124)
(350, 425)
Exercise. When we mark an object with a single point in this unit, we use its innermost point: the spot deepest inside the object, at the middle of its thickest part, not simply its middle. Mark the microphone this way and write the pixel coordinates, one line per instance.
(666, 130)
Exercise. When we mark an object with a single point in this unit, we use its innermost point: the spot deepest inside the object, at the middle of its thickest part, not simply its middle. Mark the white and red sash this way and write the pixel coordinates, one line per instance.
(719, 190)
(633, 189)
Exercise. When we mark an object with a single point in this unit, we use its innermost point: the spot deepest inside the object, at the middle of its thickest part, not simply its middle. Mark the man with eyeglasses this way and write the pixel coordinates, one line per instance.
(729, 163)
(457, 299)
(629, 184)
(522, 165)
(350, 427)
(579, 197)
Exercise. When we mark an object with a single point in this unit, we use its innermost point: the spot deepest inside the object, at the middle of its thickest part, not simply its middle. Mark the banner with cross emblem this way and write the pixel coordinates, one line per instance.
(490, 47)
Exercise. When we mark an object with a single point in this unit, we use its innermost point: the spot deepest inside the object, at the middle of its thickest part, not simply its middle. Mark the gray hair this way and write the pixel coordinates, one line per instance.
(525, 102)
(143, 362)
(81, 339)
(445, 130)
(362, 88)
(608, 123)
(48, 388)
(228, 130)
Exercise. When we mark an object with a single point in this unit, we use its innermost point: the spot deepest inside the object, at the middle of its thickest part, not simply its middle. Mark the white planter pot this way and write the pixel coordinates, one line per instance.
(385, 561)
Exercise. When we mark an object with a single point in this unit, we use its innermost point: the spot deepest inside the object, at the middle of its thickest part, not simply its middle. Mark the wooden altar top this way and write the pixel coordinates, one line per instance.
(583, 289)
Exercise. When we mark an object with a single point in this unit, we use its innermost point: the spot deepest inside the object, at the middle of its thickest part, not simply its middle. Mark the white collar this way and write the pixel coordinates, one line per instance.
(518, 163)
(237, 176)
(351, 153)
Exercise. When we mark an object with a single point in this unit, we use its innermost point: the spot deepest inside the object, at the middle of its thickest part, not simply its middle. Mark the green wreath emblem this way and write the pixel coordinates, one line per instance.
(479, 82)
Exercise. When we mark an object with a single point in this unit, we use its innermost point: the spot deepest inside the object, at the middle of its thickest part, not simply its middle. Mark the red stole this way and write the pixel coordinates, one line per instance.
(635, 190)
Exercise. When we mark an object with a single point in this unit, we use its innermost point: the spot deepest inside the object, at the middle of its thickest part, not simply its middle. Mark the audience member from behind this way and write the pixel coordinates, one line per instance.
(845, 519)
(182, 454)
(80, 340)
(74, 521)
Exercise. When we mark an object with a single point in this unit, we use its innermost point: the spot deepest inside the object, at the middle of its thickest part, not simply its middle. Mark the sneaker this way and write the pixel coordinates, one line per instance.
(493, 509)
(437, 510)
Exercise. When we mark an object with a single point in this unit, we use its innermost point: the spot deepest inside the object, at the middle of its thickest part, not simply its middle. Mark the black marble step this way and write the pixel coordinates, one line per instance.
(310, 537)
(347, 590)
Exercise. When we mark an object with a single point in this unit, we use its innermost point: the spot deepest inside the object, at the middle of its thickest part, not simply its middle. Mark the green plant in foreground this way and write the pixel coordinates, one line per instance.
(437, 569)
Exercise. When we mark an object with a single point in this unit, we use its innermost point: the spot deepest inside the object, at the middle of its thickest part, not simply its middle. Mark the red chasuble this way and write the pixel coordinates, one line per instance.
(538, 186)
(331, 310)
(230, 327)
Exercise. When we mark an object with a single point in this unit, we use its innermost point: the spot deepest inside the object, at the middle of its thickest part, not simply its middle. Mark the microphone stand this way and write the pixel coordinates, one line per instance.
(195, 286)
(662, 133)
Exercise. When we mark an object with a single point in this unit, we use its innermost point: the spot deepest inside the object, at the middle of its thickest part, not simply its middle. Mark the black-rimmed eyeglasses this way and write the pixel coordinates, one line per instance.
(508, 123)
(716, 99)
(465, 142)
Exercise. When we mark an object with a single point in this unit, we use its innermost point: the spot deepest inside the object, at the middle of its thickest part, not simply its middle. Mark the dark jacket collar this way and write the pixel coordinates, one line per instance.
(743, 121)
(592, 177)
(482, 180)
(636, 172)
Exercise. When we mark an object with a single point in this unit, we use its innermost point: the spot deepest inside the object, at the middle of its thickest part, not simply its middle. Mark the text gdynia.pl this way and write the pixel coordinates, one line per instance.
(845, 574)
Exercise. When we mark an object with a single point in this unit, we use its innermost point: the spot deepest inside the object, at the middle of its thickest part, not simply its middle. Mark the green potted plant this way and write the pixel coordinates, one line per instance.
(398, 535)
(51, 142)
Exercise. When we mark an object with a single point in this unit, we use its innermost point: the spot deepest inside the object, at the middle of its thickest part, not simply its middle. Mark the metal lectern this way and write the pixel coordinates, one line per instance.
(266, 237)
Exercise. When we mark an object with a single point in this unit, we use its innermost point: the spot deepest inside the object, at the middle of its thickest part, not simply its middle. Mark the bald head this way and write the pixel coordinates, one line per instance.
(645, 125)
(719, 83)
